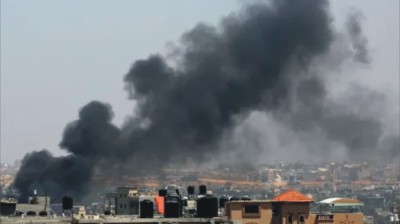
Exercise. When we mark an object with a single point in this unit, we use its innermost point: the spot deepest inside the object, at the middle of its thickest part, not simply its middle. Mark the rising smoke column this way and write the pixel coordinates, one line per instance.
(256, 60)
(90, 139)
(223, 75)
(263, 58)
(92, 136)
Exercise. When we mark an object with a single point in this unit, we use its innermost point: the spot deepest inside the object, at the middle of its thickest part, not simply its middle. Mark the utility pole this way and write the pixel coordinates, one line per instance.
(45, 201)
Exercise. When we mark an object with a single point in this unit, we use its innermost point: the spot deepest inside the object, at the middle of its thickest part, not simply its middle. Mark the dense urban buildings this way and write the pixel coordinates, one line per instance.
(208, 116)
(290, 207)
(363, 191)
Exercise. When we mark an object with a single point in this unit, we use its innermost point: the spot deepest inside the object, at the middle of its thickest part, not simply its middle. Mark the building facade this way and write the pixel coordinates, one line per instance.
(127, 201)
(291, 207)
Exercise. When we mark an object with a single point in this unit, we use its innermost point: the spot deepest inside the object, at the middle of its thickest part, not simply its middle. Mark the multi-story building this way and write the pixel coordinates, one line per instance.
(127, 201)
(355, 172)
(269, 175)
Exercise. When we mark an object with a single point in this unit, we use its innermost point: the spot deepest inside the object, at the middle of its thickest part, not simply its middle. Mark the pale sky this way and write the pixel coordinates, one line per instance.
(57, 55)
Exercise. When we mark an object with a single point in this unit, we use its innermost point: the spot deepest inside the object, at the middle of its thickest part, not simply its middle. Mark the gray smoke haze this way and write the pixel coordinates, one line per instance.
(259, 59)
(358, 41)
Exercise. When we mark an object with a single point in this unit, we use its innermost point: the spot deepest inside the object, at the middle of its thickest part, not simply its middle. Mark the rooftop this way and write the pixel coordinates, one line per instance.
(291, 196)
(342, 202)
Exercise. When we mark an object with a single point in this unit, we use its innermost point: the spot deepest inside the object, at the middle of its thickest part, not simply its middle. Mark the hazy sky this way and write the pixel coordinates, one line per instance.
(56, 56)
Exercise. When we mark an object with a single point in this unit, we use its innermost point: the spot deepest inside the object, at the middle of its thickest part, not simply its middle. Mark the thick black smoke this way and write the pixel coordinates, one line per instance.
(53, 176)
(93, 135)
(90, 139)
(258, 59)
(223, 75)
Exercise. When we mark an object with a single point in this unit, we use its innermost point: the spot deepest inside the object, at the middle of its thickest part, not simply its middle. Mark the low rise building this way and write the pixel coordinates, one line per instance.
(290, 207)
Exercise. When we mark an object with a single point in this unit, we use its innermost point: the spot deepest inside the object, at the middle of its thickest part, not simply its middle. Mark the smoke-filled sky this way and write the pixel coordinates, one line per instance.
(56, 56)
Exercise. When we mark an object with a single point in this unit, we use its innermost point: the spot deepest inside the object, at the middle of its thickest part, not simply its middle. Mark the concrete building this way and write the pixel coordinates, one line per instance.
(355, 172)
(127, 201)
(348, 172)
(37, 206)
(269, 175)
(291, 207)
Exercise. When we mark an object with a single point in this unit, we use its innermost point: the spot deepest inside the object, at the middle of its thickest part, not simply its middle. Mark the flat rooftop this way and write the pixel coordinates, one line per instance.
(109, 219)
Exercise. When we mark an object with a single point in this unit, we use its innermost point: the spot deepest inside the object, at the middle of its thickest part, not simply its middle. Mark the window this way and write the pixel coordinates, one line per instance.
(120, 206)
(120, 195)
(251, 210)
(301, 219)
(289, 219)
(124, 195)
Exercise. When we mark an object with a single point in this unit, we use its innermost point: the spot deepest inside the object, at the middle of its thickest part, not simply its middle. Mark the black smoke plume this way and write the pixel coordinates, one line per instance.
(93, 135)
(53, 176)
(222, 76)
(90, 139)
(260, 58)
